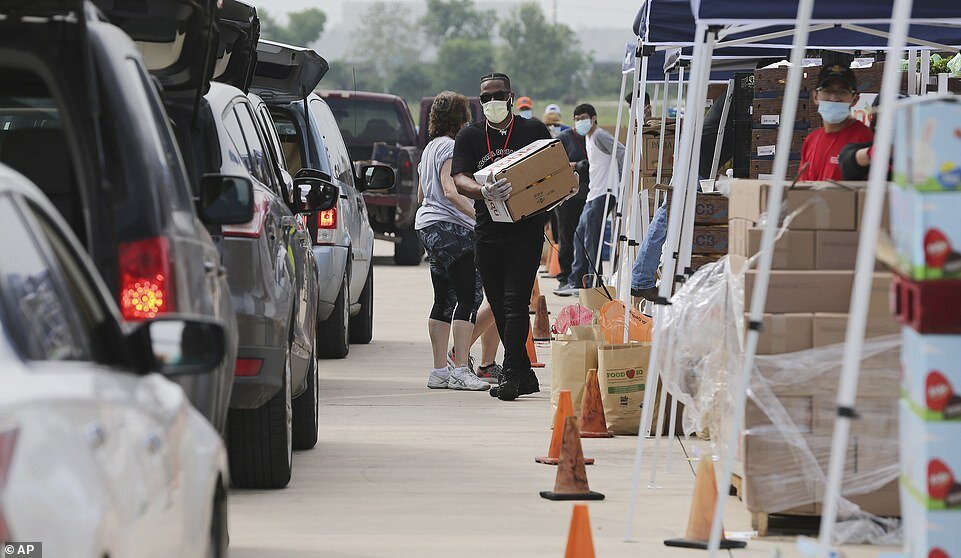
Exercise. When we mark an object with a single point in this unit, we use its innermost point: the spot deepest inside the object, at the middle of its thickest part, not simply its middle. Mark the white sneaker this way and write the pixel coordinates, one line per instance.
(462, 378)
(566, 290)
(439, 379)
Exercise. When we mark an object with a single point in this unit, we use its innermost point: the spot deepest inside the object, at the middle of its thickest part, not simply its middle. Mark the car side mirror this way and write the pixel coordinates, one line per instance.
(317, 191)
(175, 346)
(226, 200)
(377, 177)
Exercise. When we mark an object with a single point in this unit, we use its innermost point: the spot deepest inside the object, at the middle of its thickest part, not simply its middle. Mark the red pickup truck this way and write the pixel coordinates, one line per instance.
(379, 127)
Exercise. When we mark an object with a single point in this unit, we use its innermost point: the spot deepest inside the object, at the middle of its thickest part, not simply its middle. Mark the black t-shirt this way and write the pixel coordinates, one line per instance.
(476, 147)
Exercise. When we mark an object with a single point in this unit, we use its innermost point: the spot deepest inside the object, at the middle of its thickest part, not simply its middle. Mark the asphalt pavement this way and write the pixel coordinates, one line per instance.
(401, 470)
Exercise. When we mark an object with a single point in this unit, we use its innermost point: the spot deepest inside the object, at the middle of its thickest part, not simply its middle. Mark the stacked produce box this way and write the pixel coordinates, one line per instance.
(925, 202)
(710, 226)
(787, 436)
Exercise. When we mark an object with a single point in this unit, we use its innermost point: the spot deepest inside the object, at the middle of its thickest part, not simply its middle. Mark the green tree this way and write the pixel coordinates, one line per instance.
(388, 39)
(544, 60)
(461, 62)
(450, 19)
(302, 29)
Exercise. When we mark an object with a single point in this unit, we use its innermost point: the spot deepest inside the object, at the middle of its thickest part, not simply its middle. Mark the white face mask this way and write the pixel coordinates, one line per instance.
(496, 111)
(582, 127)
(834, 112)
(526, 114)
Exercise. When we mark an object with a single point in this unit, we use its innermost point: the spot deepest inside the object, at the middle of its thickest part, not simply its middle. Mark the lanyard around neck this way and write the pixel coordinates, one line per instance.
(487, 135)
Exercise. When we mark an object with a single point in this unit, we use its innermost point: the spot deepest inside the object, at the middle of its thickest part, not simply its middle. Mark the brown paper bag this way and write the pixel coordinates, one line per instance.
(621, 372)
(596, 297)
(570, 361)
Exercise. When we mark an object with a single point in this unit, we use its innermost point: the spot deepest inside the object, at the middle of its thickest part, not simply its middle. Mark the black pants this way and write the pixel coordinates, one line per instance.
(508, 272)
(567, 216)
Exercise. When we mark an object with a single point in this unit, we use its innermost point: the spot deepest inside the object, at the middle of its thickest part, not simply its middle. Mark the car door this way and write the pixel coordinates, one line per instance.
(52, 296)
(292, 238)
(361, 234)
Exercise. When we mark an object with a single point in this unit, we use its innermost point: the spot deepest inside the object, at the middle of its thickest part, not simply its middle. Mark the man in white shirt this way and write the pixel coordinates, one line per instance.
(600, 147)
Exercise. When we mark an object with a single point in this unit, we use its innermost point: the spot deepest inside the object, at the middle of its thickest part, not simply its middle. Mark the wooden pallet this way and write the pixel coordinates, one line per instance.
(776, 523)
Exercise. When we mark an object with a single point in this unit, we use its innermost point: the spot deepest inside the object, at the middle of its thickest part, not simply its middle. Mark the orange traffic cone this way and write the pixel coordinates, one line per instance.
(542, 325)
(553, 263)
(571, 481)
(702, 511)
(564, 409)
(531, 351)
(593, 422)
(580, 543)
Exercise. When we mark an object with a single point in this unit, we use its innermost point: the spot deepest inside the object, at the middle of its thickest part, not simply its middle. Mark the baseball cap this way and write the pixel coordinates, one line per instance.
(552, 108)
(525, 102)
(837, 72)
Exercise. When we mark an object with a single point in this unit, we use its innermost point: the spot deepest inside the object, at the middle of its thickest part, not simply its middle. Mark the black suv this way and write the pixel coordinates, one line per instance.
(81, 117)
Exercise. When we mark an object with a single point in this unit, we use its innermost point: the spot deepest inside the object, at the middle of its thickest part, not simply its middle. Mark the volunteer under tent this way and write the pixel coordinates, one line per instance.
(768, 27)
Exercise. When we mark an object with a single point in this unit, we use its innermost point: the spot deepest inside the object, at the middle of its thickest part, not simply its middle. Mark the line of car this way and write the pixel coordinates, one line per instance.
(185, 235)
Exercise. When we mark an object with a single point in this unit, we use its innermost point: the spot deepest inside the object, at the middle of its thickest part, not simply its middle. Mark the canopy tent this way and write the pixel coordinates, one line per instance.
(751, 29)
(880, 25)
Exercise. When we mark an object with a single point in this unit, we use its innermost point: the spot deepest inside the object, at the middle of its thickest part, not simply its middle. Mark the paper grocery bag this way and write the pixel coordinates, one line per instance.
(596, 297)
(570, 361)
(621, 372)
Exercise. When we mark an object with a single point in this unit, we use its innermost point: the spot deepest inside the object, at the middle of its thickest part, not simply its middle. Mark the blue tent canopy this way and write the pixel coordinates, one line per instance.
(727, 12)
(672, 23)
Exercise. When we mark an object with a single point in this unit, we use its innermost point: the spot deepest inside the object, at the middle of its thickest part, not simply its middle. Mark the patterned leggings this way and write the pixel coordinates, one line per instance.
(457, 285)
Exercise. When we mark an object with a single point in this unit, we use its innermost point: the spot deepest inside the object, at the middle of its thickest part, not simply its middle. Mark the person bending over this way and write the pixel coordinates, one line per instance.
(507, 254)
(445, 225)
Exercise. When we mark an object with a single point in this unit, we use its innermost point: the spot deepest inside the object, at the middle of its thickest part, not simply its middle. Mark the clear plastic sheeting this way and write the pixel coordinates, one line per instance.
(789, 423)
(701, 344)
(786, 443)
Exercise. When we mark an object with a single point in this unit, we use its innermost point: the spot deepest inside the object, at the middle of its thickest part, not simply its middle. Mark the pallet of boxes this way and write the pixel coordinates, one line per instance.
(710, 241)
(789, 420)
(925, 205)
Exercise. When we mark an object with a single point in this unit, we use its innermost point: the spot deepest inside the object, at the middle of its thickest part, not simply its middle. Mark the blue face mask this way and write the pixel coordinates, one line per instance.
(583, 126)
(526, 114)
(834, 112)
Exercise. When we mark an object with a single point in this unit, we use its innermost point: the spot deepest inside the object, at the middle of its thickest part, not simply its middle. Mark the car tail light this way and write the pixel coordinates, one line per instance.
(248, 366)
(146, 280)
(254, 227)
(8, 442)
(326, 225)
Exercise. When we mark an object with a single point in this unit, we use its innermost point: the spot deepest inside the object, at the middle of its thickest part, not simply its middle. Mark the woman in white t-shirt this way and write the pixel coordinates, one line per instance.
(445, 225)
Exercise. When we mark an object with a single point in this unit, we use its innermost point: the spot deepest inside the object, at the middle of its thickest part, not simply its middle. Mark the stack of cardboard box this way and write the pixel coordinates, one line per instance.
(710, 225)
(926, 232)
(806, 308)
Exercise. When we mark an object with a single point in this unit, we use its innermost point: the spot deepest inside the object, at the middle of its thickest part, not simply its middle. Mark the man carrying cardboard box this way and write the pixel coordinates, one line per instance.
(507, 253)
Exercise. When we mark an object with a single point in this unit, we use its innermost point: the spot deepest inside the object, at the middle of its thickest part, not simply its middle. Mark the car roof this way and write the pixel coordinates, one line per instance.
(365, 95)
(221, 94)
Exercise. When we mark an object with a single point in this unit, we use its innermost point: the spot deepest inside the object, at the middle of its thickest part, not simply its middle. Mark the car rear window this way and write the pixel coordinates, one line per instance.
(363, 122)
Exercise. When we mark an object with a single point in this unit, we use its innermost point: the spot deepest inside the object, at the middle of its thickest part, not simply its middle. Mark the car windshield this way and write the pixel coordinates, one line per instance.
(363, 122)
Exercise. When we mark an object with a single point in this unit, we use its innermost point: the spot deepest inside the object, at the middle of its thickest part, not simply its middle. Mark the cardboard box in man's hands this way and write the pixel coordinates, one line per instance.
(541, 177)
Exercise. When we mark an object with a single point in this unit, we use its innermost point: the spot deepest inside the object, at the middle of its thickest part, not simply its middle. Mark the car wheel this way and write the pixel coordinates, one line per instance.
(259, 441)
(219, 538)
(307, 411)
(333, 334)
(362, 325)
(409, 250)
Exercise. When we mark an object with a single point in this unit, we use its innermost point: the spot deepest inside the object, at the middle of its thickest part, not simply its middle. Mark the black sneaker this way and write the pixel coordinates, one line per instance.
(508, 390)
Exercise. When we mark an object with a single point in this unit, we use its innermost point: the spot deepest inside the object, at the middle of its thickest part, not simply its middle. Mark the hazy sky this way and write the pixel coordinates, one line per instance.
(575, 13)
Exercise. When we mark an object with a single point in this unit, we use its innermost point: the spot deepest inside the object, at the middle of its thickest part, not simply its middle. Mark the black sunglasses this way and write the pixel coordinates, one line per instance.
(495, 96)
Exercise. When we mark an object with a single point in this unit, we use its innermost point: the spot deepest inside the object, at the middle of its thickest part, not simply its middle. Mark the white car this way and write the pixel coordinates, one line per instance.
(100, 454)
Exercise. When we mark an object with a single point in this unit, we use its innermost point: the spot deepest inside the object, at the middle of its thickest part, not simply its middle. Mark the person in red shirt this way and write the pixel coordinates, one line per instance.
(837, 91)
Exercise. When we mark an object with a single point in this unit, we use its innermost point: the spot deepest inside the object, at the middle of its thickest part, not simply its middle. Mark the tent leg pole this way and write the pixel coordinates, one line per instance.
(658, 426)
(912, 71)
(854, 336)
(759, 297)
(664, 293)
(722, 129)
(925, 70)
(670, 435)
